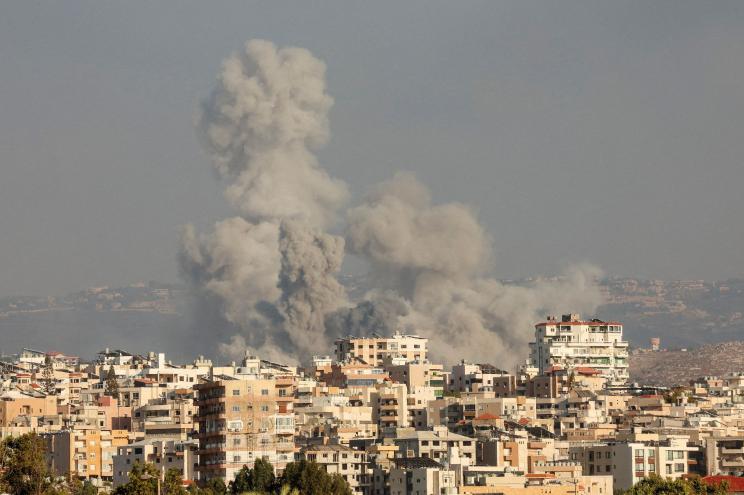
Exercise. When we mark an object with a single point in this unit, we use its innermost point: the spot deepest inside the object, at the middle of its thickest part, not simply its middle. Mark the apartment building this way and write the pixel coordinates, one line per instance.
(629, 462)
(419, 374)
(469, 377)
(164, 454)
(239, 421)
(14, 403)
(572, 343)
(86, 452)
(436, 444)
(724, 455)
(377, 350)
(421, 476)
(351, 464)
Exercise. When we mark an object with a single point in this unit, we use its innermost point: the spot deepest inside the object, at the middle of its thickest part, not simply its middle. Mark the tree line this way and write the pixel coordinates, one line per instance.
(24, 471)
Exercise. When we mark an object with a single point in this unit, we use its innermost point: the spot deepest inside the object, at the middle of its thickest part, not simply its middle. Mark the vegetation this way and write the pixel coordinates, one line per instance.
(656, 485)
(23, 465)
(309, 478)
(259, 479)
(47, 376)
(143, 480)
(173, 483)
(24, 471)
(112, 384)
(299, 478)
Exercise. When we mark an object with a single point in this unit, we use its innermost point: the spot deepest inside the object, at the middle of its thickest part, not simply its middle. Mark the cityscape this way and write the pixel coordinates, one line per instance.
(372, 248)
(379, 414)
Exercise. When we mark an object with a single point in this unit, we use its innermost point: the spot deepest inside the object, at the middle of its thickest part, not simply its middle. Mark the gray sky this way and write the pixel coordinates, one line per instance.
(609, 132)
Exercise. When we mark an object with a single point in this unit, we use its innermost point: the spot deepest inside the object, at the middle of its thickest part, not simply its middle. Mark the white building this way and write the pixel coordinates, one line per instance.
(571, 343)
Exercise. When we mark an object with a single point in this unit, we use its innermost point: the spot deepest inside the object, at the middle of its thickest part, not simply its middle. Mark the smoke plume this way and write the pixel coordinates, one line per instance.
(434, 256)
(265, 280)
(269, 273)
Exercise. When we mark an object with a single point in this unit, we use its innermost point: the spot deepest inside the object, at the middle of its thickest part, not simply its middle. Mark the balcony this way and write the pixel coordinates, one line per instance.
(732, 450)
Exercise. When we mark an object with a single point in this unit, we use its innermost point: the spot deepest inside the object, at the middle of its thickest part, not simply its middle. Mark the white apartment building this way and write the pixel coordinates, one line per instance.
(572, 343)
(376, 350)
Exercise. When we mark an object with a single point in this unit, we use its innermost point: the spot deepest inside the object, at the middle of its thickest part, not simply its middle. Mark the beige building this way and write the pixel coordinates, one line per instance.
(337, 459)
(164, 454)
(419, 476)
(376, 350)
(239, 422)
(14, 403)
(84, 452)
(434, 444)
(724, 455)
(629, 462)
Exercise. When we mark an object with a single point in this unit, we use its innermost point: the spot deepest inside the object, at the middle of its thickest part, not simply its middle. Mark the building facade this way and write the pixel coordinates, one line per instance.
(572, 343)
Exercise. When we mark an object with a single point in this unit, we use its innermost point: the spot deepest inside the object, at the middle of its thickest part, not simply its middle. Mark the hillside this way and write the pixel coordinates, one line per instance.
(679, 367)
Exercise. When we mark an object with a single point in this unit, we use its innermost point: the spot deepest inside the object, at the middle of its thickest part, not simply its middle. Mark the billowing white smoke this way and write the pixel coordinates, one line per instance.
(270, 272)
(266, 280)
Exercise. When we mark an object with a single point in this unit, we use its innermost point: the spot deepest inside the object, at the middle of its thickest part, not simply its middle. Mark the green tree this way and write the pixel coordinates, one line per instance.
(309, 478)
(112, 384)
(87, 489)
(173, 482)
(242, 481)
(262, 479)
(259, 480)
(656, 485)
(24, 466)
(47, 376)
(216, 486)
(143, 480)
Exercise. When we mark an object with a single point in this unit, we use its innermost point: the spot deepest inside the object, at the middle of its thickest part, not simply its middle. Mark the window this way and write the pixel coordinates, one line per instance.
(669, 469)
(235, 408)
(670, 455)
(679, 467)
(236, 392)
(639, 453)
(264, 391)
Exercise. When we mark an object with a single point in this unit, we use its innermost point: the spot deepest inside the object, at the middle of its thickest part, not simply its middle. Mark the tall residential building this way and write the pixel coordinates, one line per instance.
(571, 343)
(241, 420)
(376, 350)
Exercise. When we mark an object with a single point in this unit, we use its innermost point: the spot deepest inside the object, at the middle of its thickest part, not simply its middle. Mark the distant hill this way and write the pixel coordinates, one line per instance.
(679, 367)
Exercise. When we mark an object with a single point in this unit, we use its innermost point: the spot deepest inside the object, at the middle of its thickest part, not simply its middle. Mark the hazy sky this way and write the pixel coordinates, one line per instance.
(609, 132)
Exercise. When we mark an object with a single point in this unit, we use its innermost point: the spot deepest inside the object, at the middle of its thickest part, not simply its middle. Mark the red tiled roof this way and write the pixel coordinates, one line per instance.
(735, 483)
(524, 421)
